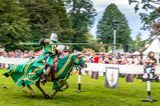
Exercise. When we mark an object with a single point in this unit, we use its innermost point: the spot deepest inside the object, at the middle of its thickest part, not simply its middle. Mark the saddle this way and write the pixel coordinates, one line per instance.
(52, 71)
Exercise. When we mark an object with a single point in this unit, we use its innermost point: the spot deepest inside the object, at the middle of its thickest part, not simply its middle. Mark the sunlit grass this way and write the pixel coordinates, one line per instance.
(128, 94)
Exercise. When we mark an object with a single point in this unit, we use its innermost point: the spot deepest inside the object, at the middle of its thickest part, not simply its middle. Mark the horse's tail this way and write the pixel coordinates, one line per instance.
(6, 74)
(10, 69)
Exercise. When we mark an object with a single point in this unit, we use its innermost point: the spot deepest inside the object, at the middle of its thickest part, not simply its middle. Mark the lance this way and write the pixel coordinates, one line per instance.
(32, 44)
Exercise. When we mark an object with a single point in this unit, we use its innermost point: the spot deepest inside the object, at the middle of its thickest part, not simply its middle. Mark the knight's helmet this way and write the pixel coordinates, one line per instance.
(54, 37)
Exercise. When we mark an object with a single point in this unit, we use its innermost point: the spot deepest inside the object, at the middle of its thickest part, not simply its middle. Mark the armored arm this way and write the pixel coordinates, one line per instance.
(44, 41)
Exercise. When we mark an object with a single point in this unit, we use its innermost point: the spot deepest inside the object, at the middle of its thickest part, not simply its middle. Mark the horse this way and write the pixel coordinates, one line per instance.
(31, 73)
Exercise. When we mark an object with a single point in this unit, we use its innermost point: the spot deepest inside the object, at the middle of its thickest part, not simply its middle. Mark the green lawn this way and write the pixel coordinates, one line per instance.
(128, 94)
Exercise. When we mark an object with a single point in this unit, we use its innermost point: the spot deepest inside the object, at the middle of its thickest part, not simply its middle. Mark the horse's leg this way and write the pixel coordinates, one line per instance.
(24, 91)
(65, 86)
(53, 93)
(31, 90)
(52, 73)
(43, 92)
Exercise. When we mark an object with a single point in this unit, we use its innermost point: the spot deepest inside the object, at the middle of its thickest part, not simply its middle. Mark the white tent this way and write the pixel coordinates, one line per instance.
(136, 53)
(154, 47)
(121, 51)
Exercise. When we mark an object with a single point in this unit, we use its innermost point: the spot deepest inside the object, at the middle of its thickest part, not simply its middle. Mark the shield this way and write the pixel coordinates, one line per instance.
(111, 77)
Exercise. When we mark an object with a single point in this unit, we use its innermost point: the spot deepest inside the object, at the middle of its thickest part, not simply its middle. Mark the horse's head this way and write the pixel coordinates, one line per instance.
(79, 62)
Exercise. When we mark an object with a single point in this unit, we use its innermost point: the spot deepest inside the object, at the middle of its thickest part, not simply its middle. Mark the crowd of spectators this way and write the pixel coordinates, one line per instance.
(117, 58)
(90, 56)
(20, 54)
(109, 58)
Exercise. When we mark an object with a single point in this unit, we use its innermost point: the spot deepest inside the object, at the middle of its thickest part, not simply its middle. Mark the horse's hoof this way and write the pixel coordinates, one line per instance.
(24, 91)
(32, 94)
(51, 95)
(47, 97)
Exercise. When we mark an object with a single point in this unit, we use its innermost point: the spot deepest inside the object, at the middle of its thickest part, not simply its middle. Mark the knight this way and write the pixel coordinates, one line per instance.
(50, 56)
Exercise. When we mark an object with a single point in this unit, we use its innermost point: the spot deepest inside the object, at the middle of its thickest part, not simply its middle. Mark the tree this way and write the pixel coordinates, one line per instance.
(105, 26)
(81, 14)
(138, 43)
(14, 27)
(152, 22)
(150, 19)
(144, 4)
(47, 16)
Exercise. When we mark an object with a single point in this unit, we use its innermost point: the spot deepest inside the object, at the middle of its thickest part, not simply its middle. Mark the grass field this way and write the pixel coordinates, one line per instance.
(128, 94)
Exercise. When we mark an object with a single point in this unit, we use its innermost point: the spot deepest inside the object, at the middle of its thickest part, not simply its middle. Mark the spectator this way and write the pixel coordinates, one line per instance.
(95, 58)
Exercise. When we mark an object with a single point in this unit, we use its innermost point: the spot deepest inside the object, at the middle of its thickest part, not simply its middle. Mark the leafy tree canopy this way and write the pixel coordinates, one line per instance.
(113, 19)
(150, 18)
(14, 27)
(47, 16)
(81, 14)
